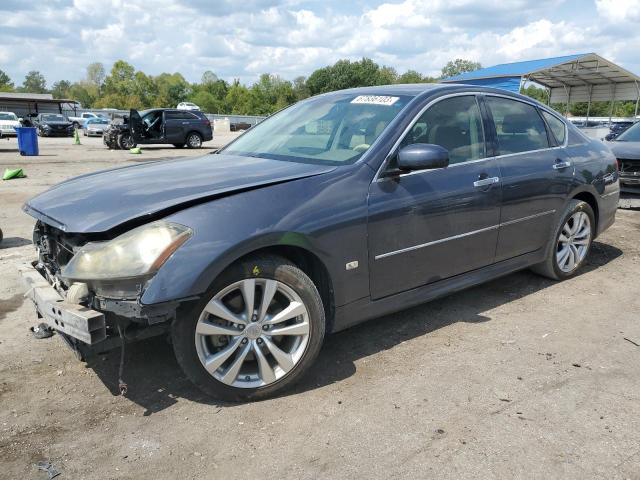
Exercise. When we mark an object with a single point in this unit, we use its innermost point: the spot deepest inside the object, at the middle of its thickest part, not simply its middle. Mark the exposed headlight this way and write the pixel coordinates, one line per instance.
(137, 253)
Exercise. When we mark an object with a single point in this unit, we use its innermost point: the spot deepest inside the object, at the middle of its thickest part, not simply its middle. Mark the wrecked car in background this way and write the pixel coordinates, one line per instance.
(340, 208)
(626, 148)
(159, 126)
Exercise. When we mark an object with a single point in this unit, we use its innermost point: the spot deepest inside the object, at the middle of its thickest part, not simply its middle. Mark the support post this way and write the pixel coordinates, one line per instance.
(637, 98)
(613, 99)
(589, 104)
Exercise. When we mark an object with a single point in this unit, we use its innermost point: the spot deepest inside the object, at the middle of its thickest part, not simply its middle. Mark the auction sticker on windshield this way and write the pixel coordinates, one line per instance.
(375, 100)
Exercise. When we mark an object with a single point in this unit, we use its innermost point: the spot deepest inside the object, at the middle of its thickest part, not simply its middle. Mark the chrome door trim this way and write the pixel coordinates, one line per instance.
(462, 235)
(530, 217)
(435, 242)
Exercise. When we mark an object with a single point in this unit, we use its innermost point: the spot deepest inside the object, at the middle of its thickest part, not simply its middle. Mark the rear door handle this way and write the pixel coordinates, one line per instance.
(559, 165)
(486, 181)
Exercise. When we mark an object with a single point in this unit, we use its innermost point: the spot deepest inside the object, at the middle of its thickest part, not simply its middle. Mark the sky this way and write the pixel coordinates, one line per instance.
(244, 38)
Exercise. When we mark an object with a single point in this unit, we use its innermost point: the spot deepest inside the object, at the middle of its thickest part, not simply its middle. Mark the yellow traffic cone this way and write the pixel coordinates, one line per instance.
(76, 137)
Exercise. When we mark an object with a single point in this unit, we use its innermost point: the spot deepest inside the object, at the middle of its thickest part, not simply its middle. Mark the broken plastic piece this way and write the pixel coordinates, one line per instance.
(42, 331)
(10, 173)
(48, 467)
(135, 150)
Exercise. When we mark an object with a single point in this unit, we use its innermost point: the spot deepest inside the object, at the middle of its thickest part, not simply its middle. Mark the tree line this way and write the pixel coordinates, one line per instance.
(124, 87)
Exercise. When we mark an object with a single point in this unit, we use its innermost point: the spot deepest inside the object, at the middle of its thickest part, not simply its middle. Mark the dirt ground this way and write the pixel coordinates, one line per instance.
(518, 378)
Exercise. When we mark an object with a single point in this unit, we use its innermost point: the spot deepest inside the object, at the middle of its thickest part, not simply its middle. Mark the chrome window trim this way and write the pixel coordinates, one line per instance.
(462, 235)
(476, 94)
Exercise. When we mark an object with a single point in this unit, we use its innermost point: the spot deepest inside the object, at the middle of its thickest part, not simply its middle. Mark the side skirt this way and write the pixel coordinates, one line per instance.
(365, 309)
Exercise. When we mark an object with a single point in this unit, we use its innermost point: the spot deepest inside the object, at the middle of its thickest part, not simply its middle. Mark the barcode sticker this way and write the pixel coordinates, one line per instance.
(375, 100)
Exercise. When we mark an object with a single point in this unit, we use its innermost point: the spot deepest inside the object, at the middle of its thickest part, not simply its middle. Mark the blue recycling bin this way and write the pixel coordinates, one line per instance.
(27, 141)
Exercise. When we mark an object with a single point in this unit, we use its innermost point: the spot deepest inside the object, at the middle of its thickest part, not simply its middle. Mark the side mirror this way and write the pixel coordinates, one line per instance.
(422, 156)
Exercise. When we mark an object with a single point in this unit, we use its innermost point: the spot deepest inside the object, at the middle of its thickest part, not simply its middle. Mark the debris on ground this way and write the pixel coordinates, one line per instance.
(42, 331)
(136, 150)
(11, 173)
(48, 467)
(631, 341)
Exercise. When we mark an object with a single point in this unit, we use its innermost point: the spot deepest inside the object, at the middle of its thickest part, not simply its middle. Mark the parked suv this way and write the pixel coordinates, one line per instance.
(159, 125)
(343, 207)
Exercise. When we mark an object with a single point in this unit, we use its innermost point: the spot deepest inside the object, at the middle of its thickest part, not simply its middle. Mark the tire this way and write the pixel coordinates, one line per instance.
(260, 374)
(555, 266)
(125, 142)
(194, 140)
(178, 145)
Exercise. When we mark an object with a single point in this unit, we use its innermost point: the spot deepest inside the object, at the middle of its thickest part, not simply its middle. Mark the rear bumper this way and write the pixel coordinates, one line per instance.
(74, 320)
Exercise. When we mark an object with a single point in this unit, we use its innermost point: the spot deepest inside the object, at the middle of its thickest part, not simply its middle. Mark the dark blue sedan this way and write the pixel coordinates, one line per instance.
(338, 209)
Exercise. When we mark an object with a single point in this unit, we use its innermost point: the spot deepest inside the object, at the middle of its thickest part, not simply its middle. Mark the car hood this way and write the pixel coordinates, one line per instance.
(627, 150)
(101, 201)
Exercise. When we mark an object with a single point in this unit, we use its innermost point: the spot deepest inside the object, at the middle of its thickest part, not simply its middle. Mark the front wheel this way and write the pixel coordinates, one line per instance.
(194, 140)
(571, 239)
(257, 330)
(125, 141)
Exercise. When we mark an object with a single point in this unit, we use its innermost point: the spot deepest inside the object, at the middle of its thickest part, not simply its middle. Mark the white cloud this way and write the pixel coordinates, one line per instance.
(294, 37)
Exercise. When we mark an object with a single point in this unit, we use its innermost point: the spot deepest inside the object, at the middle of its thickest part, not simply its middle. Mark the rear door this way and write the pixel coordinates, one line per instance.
(174, 126)
(429, 225)
(536, 175)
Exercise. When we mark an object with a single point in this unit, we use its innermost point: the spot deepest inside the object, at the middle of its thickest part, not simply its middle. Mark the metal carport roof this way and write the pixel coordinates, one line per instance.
(584, 77)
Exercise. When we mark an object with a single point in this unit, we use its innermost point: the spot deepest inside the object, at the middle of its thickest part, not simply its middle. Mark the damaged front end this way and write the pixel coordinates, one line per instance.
(629, 175)
(88, 288)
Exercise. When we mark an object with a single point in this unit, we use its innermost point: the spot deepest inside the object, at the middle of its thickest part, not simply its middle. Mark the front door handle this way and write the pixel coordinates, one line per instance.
(559, 165)
(483, 182)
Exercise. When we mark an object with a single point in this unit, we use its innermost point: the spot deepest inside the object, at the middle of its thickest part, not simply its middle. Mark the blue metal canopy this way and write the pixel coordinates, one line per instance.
(582, 77)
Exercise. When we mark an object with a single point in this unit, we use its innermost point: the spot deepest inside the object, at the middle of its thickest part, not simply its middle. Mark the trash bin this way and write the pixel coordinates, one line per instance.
(27, 141)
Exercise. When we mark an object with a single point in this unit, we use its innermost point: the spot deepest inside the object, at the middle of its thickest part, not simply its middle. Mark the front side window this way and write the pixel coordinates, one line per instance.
(518, 125)
(329, 129)
(455, 124)
(556, 125)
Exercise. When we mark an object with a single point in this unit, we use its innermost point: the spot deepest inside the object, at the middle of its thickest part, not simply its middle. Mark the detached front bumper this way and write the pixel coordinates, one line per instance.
(74, 320)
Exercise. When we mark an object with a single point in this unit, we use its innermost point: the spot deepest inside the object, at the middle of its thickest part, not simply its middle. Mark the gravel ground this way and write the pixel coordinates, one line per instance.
(519, 378)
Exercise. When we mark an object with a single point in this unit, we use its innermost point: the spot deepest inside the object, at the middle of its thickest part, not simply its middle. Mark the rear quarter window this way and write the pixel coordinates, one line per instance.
(556, 126)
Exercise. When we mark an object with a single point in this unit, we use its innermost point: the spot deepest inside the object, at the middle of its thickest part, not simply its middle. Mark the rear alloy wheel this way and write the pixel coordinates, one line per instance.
(259, 331)
(572, 240)
(194, 140)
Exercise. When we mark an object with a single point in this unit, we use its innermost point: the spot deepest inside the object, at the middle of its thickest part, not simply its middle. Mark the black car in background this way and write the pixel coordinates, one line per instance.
(616, 129)
(157, 126)
(52, 124)
(626, 148)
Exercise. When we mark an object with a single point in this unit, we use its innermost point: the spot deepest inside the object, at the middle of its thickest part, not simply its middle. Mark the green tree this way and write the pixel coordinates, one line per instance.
(34, 82)
(537, 93)
(387, 76)
(300, 89)
(60, 89)
(96, 75)
(172, 89)
(458, 66)
(6, 85)
(83, 93)
(346, 74)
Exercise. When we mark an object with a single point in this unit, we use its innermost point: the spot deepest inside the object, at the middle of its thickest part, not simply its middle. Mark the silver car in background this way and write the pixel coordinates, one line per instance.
(8, 123)
(95, 127)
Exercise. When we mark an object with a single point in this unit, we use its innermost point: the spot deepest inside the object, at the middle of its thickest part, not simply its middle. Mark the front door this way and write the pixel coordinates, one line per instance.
(136, 127)
(429, 225)
(536, 176)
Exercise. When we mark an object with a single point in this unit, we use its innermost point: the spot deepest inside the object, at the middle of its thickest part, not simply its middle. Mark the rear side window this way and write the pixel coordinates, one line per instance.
(556, 125)
(455, 124)
(180, 116)
(518, 125)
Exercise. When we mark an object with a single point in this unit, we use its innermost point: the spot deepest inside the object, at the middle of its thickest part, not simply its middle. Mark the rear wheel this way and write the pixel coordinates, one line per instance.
(194, 140)
(256, 332)
(572, 240)
(125, 141)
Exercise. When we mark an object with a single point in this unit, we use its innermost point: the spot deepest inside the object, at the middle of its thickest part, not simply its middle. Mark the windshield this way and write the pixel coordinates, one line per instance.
(631, 134)
(102, 121)
(331, 129)
(8, 116)
(53, 118)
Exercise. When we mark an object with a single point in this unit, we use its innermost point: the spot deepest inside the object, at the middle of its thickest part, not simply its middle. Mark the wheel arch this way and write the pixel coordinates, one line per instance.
(307, 261)
(591, 200)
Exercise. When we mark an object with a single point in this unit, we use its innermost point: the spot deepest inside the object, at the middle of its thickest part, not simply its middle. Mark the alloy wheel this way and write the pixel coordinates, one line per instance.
(573, 242)
(252, 333)
(194, 141)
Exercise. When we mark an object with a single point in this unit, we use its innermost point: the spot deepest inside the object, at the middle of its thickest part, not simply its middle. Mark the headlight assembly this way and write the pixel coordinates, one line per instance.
(137, 253)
